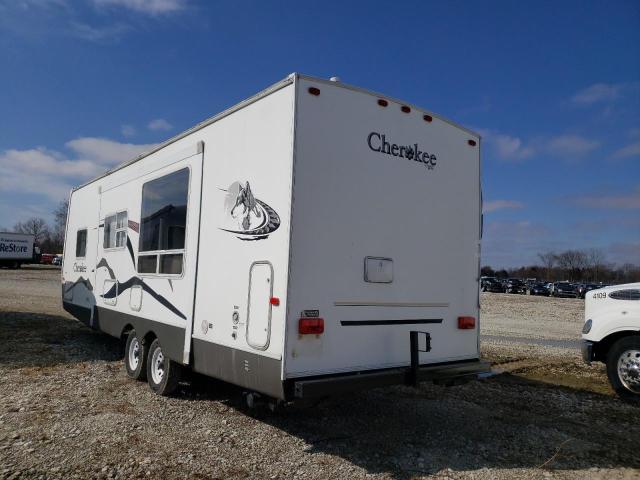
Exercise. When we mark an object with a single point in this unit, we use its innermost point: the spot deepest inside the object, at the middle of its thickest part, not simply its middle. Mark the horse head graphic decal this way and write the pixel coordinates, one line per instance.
(246, 216)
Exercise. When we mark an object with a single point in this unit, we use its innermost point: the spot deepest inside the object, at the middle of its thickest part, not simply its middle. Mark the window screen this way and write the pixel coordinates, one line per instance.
(163, 223)
(115, 230)
(81, 243)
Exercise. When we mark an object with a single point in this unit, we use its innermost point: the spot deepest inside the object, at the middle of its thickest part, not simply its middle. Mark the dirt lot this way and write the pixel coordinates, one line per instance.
(68, 410)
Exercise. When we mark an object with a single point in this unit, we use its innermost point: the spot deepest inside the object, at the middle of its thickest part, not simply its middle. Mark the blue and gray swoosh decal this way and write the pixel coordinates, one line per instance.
(79, 281)
(130, 248)
(117, 289)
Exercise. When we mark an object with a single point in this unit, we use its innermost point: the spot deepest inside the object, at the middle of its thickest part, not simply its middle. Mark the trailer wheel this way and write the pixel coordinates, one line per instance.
(163, 374)
(135, 357)
(623, 368)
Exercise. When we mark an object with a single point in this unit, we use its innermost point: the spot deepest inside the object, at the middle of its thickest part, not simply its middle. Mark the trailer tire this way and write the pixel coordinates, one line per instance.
(623, 354)
(163, 374)
(135, 356)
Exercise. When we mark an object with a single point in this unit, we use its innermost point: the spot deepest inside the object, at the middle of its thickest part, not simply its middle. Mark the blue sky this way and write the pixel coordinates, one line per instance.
(553, 87)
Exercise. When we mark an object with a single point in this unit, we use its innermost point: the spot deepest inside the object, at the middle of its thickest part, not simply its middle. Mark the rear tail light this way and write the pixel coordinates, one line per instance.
(466, 323)
(311, 326)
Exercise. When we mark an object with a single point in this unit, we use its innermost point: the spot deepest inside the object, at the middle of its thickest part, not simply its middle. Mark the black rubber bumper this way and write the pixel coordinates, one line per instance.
(587, 351)
(449, 373)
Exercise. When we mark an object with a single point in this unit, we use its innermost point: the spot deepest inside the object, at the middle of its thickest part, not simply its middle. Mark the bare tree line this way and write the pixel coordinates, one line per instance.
(49, 237)
(587, 266)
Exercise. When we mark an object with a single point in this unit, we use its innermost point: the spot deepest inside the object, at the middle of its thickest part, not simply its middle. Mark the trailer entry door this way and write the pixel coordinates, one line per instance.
(259, 305)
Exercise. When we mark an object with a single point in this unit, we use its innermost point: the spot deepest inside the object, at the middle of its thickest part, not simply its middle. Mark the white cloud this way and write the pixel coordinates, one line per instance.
(632, 150)
(104, 34)
(598, 92)
(494, 205)
(149, 7)
(52, 174)
(622, 201)
(603, 93)
(159, 124)
(511, 148)
(106, 152)
(128, 130)
(505, 146)
(570, 145)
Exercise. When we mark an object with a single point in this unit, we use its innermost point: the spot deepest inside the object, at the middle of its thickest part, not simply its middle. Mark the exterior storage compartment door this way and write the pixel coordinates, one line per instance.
(259, 305)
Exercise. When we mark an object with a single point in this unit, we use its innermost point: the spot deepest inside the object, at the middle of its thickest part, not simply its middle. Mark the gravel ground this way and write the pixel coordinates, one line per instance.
(68, 410)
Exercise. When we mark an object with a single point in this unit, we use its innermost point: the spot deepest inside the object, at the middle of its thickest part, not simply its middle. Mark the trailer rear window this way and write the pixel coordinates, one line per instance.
(81, 243)
(164, 223)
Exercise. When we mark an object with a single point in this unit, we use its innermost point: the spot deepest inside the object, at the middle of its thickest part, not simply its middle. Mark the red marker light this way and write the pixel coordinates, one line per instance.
(405, 109)
(427, 118)
(275, 301)
(311, 326)
(466, 323)
(471, 142)
(382, 102)
(314, 91)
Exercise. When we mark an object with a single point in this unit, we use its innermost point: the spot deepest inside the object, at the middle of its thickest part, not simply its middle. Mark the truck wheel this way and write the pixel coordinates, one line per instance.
(623, 368)
(135, 357)
(163, 374)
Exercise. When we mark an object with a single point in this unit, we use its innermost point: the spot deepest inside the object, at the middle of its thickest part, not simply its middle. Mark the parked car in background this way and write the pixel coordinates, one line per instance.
(583, 288)
(47, 258)
(485, 280)
(493, 285)
(611, 334)
(564, 289)
(539, 289)
(515, 286)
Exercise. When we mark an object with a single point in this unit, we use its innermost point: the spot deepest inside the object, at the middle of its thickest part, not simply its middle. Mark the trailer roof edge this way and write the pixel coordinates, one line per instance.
(263, 93)
(387, 97)
(199, 126)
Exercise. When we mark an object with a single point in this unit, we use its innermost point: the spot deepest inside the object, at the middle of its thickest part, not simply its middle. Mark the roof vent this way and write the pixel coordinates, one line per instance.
(335, 79)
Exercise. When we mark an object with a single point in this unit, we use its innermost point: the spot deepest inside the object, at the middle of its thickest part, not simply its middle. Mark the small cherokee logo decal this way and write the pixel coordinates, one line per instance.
(246, 216)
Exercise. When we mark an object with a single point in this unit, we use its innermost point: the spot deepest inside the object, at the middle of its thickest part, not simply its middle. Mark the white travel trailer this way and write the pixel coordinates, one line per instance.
(289, 245)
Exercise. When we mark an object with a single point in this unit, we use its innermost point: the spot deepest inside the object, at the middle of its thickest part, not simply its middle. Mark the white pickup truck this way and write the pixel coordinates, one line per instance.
(611, 334)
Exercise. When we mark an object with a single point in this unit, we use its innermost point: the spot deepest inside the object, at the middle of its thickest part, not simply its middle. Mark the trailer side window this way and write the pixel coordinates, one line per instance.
(163, 224)
(115, 230)
(81, 243)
